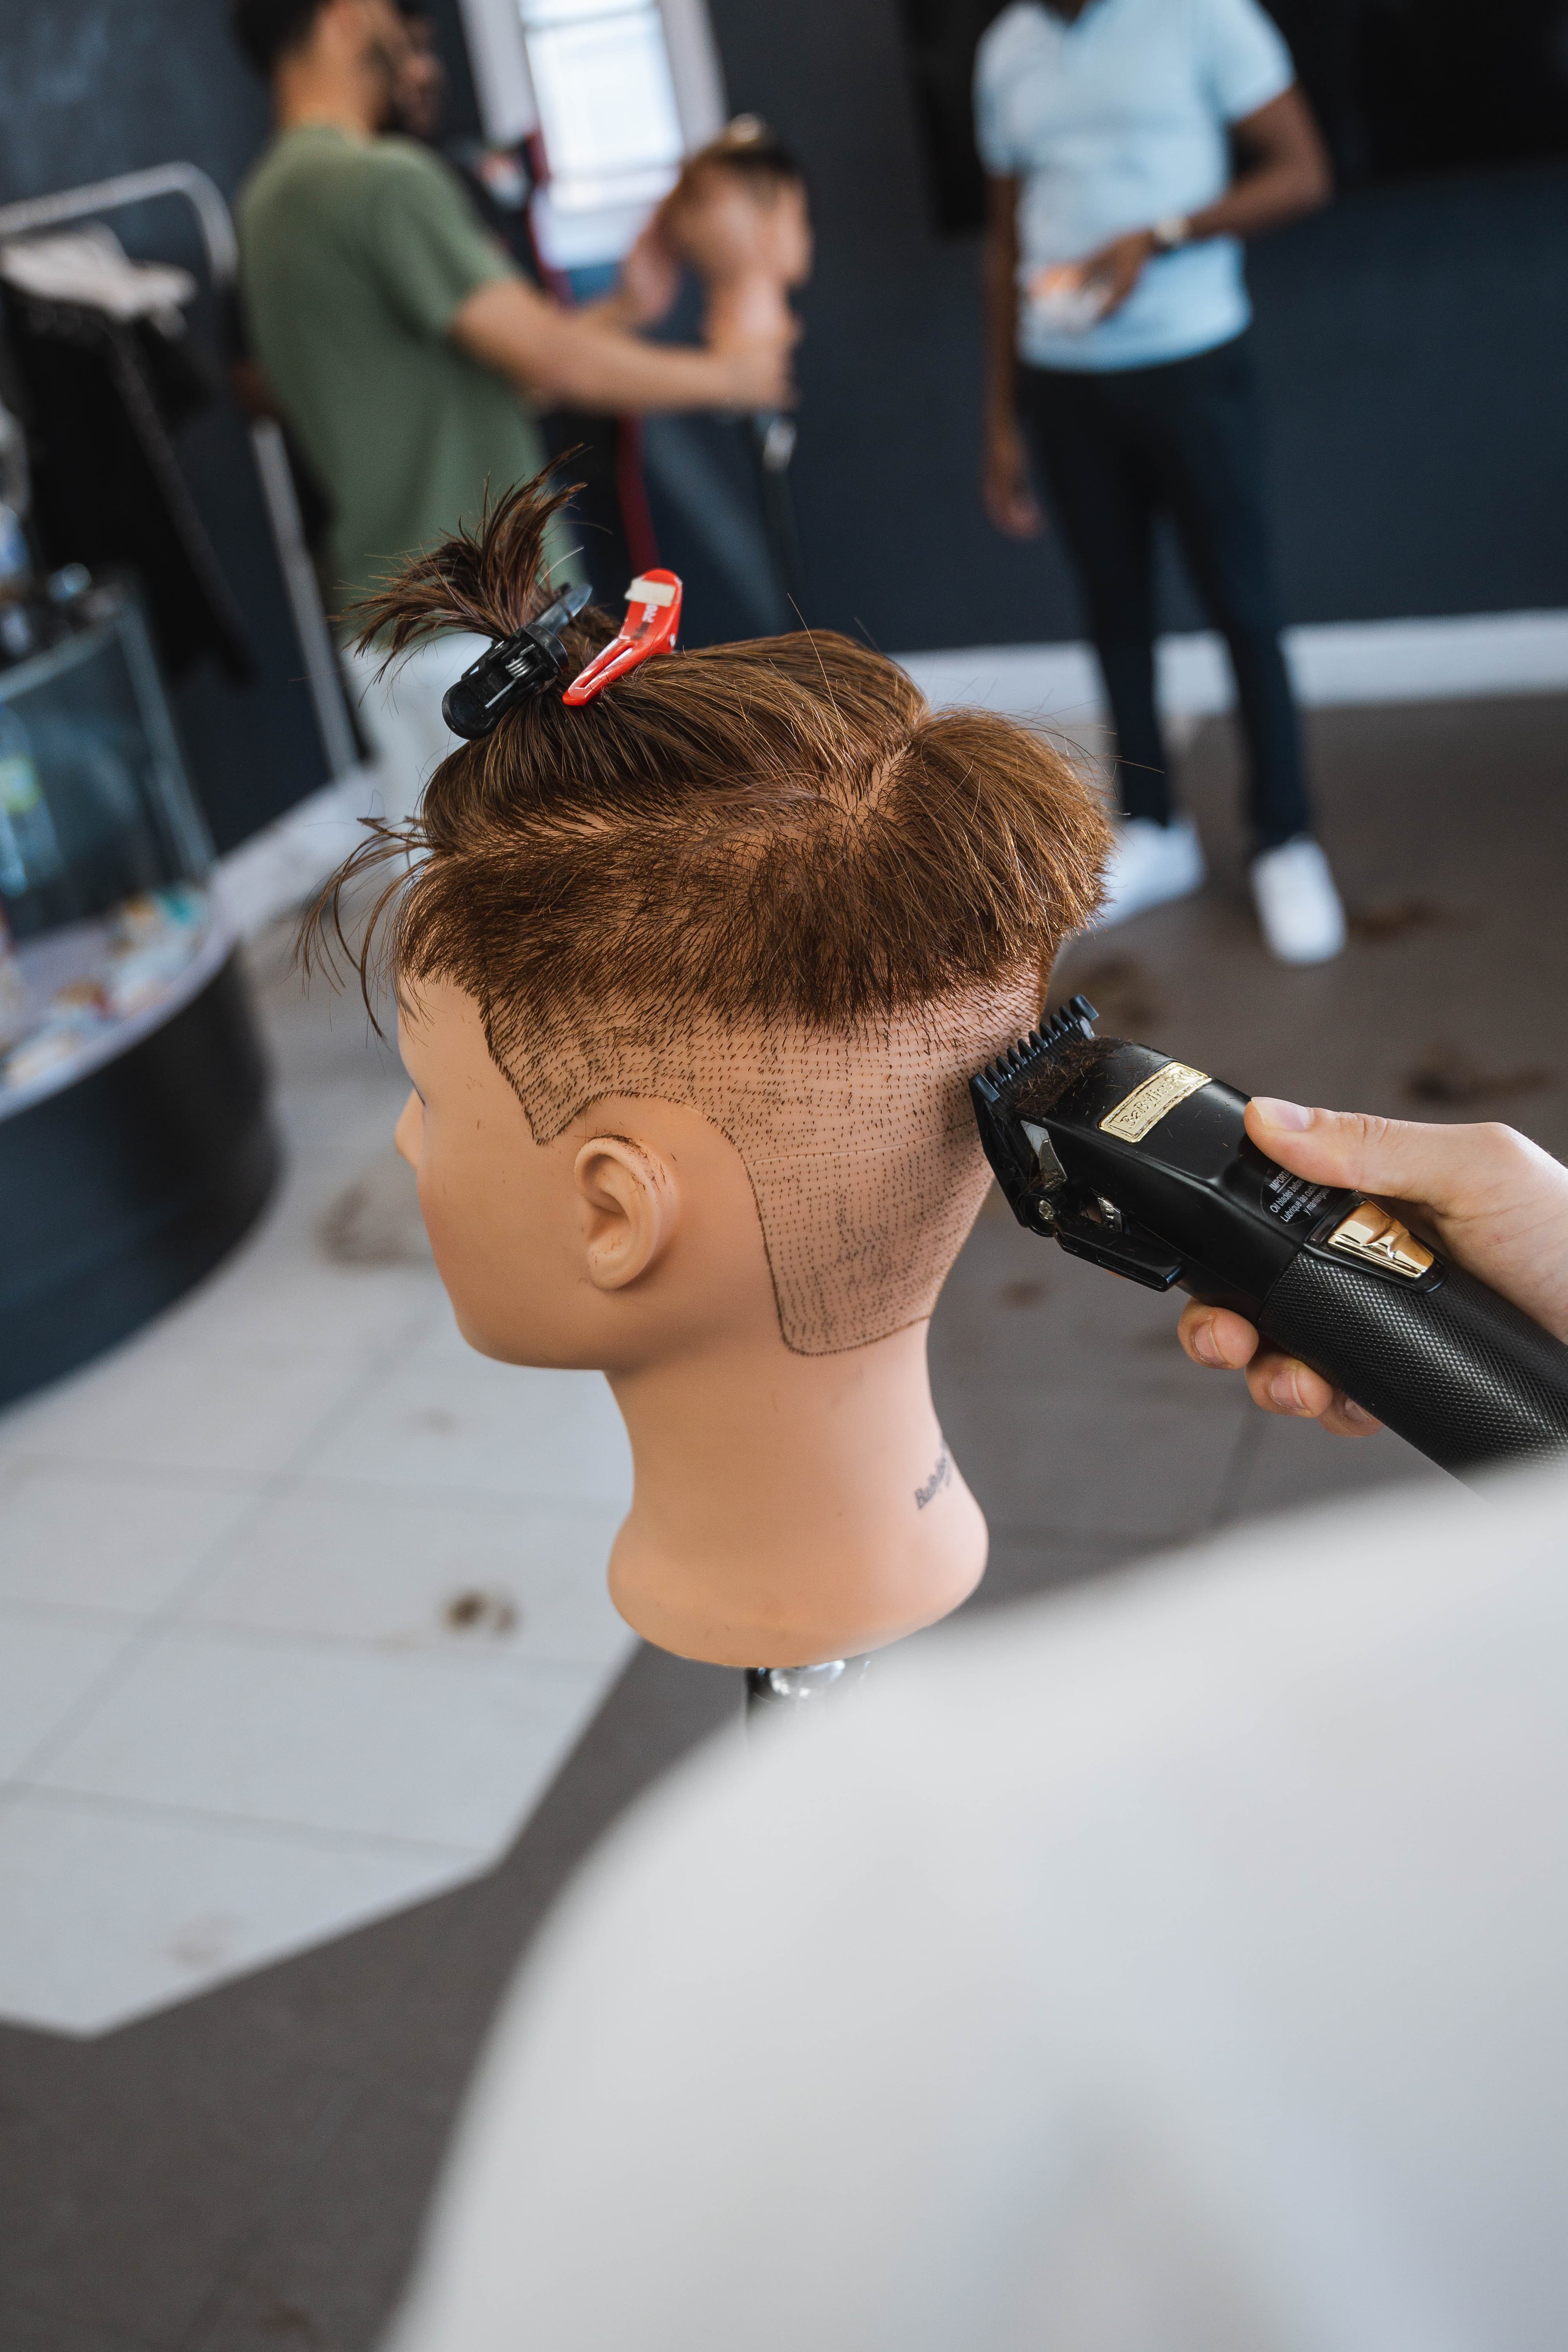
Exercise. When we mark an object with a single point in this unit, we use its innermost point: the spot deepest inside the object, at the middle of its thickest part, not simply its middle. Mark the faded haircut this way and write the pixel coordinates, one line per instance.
(764, 880)
(776, 831)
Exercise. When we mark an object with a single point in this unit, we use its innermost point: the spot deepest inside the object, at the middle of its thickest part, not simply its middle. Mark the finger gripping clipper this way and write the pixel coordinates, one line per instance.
(1142, 1165)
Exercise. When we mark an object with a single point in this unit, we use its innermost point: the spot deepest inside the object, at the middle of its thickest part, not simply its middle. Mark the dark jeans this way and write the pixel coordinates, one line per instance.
(1116, 449)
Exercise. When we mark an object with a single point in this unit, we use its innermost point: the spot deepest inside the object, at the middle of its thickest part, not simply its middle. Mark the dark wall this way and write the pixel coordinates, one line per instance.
(1414, 344)
(91, 88)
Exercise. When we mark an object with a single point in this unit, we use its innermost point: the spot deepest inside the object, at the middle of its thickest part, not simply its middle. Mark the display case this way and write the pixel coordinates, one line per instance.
(135, 1140)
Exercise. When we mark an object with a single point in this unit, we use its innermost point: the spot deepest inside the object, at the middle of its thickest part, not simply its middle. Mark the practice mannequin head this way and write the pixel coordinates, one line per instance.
(762, 880)
(739, 216)
(691, 980)
(629, 1236)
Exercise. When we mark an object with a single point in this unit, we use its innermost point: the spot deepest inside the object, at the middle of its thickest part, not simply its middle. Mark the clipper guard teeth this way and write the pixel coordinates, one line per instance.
(1075, 1019)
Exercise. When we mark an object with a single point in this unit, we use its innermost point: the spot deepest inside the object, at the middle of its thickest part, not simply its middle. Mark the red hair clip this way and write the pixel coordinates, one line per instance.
(653, 615)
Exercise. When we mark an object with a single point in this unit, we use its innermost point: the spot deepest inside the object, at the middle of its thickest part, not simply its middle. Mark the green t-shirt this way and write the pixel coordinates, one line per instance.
(354, 255)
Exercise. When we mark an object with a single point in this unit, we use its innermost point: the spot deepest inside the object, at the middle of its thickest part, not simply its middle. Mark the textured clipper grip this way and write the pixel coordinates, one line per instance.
(1456, 1370)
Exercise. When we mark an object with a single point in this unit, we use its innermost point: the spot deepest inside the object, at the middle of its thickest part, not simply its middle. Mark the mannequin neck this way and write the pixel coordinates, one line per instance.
(752, 306)
(790, 1508)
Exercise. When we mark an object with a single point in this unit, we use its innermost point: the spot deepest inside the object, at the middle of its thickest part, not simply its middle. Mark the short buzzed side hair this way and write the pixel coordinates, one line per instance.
(267, 30)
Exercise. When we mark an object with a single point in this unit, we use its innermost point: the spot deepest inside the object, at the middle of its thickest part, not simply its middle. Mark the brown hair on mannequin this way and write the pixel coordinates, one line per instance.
(764, 831)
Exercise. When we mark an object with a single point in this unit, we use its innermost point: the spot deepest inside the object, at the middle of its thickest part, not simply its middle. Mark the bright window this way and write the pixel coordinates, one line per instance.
(606, 100)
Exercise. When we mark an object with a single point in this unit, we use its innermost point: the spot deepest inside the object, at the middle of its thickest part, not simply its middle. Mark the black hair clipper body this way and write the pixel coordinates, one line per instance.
(1141, 1165)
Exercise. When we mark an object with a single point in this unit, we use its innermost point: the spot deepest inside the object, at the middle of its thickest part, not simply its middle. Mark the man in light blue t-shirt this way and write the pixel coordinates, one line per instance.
(1119, 358)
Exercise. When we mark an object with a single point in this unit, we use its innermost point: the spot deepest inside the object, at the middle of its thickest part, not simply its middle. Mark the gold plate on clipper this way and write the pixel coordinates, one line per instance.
(1149, 1101)
(1370, 1234)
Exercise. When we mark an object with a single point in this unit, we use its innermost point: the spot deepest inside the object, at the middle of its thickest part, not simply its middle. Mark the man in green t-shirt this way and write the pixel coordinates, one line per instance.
(406, 351)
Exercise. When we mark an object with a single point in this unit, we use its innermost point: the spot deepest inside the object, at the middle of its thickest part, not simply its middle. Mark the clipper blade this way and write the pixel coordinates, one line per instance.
(994, 1092)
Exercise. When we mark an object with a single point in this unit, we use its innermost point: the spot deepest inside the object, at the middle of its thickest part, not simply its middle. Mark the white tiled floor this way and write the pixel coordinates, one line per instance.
(301, 1603)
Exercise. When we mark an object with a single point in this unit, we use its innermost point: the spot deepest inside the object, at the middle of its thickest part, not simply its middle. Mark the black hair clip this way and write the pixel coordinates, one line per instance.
(519, 666)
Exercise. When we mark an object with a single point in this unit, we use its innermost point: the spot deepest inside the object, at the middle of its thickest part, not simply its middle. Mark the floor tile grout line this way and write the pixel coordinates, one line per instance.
(259, 1828)
(591, 1675)
(104, 1472)
(572, 1684)
(236, 1633)
(489, 1505)
(413, 1318)
(147, 1632)
(379, 1376)
(60, 1796)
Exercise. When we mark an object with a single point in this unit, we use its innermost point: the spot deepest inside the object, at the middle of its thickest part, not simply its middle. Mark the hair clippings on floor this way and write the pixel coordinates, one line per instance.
(513, 670)
(653, 615)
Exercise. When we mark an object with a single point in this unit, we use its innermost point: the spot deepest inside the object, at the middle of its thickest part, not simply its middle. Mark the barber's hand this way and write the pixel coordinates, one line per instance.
(1118, 266)
(1005, 483)
(1495, 1202)
(753, 375)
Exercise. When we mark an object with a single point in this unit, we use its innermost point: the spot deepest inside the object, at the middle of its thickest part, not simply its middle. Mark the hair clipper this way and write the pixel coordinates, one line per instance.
(1141, 1165)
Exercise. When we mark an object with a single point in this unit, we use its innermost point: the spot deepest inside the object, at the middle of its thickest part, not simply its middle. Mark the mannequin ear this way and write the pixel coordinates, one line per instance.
(630, 1207)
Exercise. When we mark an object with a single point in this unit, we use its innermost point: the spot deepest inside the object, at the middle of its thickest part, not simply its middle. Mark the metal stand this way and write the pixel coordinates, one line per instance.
(801, 1691)
(773, 446)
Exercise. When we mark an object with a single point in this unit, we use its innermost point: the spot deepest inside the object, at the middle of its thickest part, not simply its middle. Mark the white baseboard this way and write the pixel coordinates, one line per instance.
(1053, 686)
(1331, 662)
(286, 863)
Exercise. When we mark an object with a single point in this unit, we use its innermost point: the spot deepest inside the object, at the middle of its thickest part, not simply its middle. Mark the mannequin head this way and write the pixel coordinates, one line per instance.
(691, 982)
(629, 1237)
(739, 217)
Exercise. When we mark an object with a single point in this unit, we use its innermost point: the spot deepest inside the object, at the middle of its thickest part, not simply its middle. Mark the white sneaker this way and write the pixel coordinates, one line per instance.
(1150, 864)
(1298, 905)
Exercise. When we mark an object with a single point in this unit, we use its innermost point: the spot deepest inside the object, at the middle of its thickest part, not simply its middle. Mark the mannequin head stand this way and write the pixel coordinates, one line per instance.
(691, 982)
(802, 1694)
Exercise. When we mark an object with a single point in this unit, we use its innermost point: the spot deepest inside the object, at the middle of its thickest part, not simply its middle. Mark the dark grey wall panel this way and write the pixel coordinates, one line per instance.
(1414, 342)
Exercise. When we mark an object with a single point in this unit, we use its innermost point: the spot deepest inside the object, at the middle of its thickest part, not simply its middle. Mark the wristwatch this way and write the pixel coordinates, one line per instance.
(1172, 231)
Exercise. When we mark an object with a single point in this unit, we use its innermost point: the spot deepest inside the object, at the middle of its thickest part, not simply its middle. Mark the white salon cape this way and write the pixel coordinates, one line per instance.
(1179, 1965)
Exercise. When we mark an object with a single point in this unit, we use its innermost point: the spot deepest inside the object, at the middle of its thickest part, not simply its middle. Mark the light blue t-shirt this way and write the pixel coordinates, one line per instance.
(1113, 123)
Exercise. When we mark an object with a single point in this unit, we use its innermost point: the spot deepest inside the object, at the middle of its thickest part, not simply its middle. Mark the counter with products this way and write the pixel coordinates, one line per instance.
(135, 1146)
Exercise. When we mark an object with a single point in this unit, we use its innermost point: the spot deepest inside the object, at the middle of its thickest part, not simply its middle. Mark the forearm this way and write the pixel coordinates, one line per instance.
(1000, 349)
(999, 279)
(615, 310)
(1263, 198)
(581, 358)
(1284, 172)
(602, 367)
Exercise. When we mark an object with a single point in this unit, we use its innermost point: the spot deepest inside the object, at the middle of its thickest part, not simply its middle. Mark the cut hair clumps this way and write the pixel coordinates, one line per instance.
(778, 832)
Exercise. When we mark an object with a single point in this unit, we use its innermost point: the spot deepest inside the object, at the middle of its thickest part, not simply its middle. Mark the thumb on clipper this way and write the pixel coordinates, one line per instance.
(1498, 1202)
(1368, 1154)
